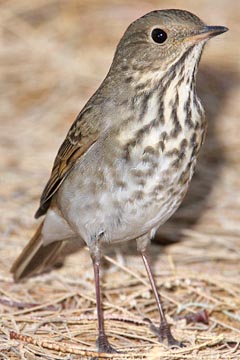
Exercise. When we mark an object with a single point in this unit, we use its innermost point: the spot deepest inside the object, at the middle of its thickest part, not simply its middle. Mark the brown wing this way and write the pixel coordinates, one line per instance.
(80, 137)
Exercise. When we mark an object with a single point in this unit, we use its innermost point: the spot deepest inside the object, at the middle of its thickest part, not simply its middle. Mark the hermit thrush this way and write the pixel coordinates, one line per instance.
(128, 158)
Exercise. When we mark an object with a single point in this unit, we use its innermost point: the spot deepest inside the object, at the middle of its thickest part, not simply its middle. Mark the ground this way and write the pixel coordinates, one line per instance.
(53, 55)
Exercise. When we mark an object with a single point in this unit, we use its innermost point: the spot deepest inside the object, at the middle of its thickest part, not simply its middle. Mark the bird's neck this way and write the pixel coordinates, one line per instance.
(171, 95)
(164, 104)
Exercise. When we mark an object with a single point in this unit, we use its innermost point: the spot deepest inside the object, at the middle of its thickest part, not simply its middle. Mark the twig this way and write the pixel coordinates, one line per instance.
(65, 348)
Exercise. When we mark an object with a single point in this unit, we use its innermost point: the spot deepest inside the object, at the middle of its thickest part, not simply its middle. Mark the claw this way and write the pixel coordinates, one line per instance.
(164, 333)
(104, 346)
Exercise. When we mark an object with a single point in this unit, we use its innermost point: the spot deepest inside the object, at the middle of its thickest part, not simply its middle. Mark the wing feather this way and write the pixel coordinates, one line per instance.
(80, 137)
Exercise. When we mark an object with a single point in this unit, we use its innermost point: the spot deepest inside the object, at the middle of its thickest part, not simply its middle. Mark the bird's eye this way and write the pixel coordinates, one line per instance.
(159, 36)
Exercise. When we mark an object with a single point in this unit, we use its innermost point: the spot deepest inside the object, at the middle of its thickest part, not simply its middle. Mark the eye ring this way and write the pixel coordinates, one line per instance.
(159, 36)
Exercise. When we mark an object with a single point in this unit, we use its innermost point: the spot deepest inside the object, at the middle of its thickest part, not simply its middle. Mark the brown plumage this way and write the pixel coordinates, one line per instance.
(128, 158)
(80, 137)
(35, 253)
(37, 258)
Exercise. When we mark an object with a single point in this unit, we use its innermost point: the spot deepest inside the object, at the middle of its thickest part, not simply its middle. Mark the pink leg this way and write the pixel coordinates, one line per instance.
(102, 341)
(164, 331)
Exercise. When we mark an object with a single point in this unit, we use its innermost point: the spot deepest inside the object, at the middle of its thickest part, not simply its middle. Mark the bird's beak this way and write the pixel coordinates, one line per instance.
(207, 32)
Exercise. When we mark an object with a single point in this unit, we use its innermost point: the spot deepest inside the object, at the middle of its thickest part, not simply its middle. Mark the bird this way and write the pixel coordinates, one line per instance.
(129, 156)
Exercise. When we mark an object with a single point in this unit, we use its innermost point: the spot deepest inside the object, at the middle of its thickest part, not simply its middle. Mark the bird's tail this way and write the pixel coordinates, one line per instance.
(37, 258)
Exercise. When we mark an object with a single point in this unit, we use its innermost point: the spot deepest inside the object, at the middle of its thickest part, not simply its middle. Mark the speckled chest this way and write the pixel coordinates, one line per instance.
(160, 148)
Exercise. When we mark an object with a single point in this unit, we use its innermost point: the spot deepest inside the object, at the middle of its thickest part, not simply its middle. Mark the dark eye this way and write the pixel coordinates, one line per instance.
(159, 36)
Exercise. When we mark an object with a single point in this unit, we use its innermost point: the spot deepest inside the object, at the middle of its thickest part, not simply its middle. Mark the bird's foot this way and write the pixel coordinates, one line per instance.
(164, 333)
(104, 346)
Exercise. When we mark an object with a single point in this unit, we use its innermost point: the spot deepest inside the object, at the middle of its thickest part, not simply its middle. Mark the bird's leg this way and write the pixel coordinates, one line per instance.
(164, 331)
(102, 340)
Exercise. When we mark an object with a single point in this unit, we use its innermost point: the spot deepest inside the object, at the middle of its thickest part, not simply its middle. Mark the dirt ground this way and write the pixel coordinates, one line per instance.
(53, 56)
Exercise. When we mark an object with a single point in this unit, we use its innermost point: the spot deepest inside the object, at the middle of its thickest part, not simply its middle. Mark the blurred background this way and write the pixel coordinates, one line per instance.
(53, 56)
